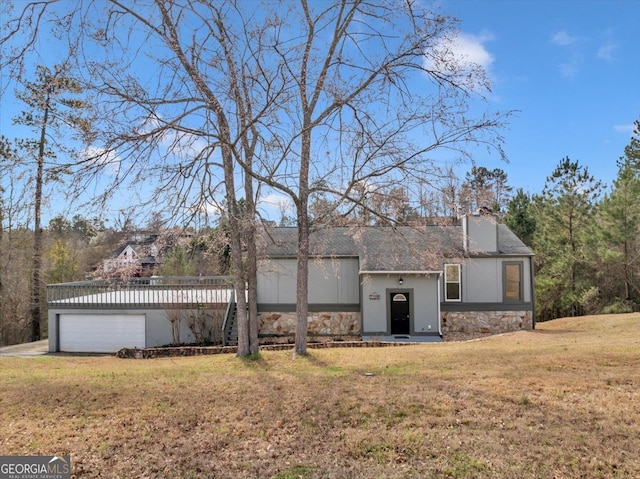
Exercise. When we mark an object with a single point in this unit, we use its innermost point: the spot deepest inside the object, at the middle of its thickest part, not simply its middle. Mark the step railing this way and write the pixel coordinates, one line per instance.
(229, 319)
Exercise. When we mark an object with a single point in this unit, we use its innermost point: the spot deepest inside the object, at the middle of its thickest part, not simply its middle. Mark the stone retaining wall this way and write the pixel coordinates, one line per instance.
(472, 324)
(318, 323)
(152, 353)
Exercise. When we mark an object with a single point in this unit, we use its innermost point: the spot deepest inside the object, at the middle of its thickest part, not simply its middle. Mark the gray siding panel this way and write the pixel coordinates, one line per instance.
(374, 302)
(313, 307)
(426, 315)
(482, 233)
(349, 288)
(482, 280)
(331, 281)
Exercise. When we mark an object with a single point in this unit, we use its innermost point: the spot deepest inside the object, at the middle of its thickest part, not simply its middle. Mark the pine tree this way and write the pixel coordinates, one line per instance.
(520, 218)
(49, 113)
(564, 219)
(620, 226)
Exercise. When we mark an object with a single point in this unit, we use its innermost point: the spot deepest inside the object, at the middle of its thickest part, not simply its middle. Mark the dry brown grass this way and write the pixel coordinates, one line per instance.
(558, 402)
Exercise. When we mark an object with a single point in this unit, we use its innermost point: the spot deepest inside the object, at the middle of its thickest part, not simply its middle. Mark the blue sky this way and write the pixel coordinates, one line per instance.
(571, 68)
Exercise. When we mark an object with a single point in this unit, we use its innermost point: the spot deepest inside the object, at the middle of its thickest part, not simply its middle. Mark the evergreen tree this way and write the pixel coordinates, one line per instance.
(520, 217)
(564, 224)
(50, 113)
(485, 189)
(620, 227)
(177, 263)
(64, 263)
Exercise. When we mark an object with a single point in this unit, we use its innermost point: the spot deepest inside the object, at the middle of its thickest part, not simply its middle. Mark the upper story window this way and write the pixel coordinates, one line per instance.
(452, 290)
(513, 291)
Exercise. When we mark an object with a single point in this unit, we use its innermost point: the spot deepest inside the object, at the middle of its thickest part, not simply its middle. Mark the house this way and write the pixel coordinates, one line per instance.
(142, 254)
(448, 279)
(106, 315)
(444, 280)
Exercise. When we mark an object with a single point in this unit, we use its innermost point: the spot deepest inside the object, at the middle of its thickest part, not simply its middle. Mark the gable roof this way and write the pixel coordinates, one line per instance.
(510, 244)
(381, 248)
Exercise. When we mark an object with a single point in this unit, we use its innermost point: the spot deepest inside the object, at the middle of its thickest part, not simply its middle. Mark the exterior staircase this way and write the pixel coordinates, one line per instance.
(230, 325)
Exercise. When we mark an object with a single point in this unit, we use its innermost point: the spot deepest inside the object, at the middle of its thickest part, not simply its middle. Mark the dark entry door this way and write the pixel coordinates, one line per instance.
(400, 323)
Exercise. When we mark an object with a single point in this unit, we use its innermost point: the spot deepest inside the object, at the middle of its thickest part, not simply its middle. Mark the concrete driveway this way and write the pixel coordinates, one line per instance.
(37, 348)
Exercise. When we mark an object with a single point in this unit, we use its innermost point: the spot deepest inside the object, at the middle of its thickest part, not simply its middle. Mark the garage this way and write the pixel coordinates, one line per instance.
(100, 333)
(106, 315)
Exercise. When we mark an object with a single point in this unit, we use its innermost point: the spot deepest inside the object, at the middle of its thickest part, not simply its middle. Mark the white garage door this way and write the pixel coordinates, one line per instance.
(101, 333)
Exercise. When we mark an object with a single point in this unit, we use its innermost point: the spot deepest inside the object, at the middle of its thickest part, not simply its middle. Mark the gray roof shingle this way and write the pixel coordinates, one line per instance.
(382, 248)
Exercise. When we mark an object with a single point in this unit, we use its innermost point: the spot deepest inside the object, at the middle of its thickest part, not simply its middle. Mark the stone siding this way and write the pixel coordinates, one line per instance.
(473, 324)
(320, 324)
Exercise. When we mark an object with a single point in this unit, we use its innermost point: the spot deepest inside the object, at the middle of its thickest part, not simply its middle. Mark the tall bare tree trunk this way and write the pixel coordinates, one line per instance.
(251, 265)
(36, 278)
(302, 277)
(235, 241)
(302, 283)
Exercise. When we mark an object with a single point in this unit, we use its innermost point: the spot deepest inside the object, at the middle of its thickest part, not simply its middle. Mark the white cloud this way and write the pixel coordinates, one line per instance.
(570, 43)
(182, 145)
(275, 206)
(472, 48)
(570, 68)
(276, 200)
(462, 53)
(563, 39)
(109, 160)
(605, 52)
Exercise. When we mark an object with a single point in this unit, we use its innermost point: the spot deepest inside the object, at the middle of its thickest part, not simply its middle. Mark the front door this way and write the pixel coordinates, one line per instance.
(400, 323)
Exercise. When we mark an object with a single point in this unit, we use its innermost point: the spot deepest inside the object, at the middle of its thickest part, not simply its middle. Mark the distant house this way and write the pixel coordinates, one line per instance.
(459, 280)
(142, 254)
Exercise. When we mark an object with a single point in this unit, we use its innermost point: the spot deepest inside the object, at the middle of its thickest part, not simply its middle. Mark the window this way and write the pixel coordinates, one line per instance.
(452, 282)
(512, 282)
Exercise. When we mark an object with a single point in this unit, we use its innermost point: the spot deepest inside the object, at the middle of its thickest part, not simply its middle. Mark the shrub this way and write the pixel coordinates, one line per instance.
(618, 306)
(591, 300)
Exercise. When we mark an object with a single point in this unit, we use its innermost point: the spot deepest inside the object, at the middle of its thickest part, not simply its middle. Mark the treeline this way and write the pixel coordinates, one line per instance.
(76, 249)
(585, 236)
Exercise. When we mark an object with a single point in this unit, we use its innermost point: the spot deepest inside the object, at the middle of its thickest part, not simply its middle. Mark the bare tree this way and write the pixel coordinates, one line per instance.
(340, 100)
(196, 124)
(375, 93)
(15, 249)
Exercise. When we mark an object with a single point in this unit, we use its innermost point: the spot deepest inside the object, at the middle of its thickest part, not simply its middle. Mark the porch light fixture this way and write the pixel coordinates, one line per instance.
(400, 281)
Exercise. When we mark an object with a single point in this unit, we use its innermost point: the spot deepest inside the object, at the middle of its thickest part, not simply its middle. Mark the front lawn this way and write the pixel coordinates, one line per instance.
(558, 402)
